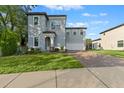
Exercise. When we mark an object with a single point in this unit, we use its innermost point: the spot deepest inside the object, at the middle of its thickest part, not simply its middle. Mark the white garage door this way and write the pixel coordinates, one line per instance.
(75, 47)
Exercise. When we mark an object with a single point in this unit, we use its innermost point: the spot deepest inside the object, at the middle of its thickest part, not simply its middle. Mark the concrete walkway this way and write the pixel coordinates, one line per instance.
(101, 77)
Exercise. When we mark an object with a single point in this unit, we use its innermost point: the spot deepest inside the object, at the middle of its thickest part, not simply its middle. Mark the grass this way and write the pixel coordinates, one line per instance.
(115, 53)
(37, 62)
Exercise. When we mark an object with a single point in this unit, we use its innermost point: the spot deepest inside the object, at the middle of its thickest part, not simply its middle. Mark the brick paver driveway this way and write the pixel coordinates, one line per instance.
(91, 59)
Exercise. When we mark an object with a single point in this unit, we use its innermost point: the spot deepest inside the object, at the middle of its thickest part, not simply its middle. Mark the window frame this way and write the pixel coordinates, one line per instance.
(55, 25)
(81, 33)
(37, 41)
(121, 43)
(52, 25)
(74, 33)
(67, 33)
(34, 21)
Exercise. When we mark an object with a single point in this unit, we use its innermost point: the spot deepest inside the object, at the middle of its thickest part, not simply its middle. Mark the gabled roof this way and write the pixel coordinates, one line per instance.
(75, 28)
(112, 28)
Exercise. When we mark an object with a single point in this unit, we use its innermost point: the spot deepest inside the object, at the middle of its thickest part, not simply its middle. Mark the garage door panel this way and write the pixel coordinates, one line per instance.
(75, 47)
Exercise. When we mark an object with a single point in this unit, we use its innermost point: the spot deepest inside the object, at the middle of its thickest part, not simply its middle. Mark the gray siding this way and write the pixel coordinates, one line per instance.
(36, 29)
(70, 41)
(76, 41)
(78, 38)
(60, 33)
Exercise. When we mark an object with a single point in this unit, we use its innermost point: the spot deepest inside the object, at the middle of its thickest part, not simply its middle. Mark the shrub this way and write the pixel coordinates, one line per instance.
(34, 51)
(56, 49)
(8, 42)
(62, 47)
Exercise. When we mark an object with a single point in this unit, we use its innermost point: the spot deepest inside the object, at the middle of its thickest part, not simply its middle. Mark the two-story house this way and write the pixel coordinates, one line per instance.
(49, 31)
(110, 39)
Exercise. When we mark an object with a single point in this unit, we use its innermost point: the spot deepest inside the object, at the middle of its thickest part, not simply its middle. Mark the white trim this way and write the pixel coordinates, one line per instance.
(38, 20)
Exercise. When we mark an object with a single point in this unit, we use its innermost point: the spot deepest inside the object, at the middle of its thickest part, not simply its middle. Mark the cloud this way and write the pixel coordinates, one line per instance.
(99, 22)
(89, 15)
(64, 7)
(94, 15)
(103, 14)
(91, 34)
(77, 24)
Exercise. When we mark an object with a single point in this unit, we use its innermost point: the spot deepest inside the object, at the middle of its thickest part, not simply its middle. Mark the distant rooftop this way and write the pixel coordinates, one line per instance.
(96, 39)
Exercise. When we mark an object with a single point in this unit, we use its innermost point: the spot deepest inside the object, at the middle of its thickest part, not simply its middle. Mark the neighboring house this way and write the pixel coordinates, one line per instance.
(113, 38)
(48, 32)
(96, 44)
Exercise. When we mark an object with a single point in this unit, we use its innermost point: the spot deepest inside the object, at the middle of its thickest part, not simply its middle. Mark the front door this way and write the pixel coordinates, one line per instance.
(47, 43)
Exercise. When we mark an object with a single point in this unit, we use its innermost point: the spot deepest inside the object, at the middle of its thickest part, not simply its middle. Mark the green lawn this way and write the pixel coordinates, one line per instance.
(37, 62)
(115, 53)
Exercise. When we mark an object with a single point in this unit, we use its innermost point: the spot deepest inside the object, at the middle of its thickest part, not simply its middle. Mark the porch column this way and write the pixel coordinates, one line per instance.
(52, 41)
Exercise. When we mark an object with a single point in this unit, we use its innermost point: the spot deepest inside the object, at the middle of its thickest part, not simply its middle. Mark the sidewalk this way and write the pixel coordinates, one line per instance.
(69, 78)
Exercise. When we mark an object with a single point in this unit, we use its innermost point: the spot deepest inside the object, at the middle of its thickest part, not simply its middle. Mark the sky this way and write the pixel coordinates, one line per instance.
(97, 18)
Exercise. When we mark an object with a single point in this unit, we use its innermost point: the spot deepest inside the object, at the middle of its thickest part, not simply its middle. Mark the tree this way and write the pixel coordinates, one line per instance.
(10, 15)
(88, 44)
(14, 18)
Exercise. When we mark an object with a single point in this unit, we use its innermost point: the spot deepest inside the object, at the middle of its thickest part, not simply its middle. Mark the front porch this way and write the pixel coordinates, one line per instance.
(49, 38)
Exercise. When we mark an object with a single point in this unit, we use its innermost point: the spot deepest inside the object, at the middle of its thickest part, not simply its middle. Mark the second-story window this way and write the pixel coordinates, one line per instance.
(74, 33)
(67, 33)
(35, 20)
(55, 25)
(52, 25)
(81, 33)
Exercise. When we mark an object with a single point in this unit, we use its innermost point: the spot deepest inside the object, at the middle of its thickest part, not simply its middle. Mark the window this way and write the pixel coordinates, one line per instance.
(35, 20)
(67, 33)
(81, 33)
(99, 44)
(52, 25)
(74, 33)
(35, 41)
(55, 25)
(120, 43)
